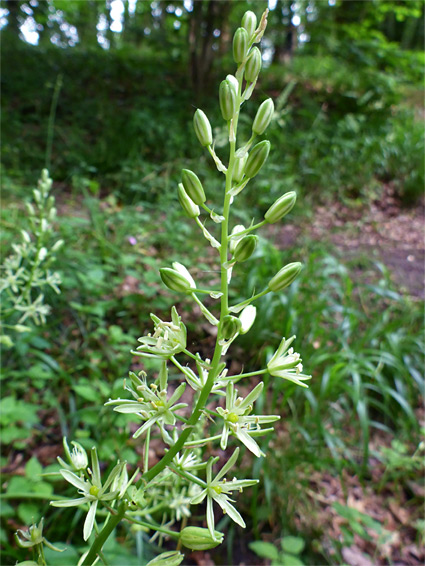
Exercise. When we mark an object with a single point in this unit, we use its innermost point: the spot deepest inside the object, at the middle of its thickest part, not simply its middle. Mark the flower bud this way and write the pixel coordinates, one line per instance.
(190, 208)
(245, 248)
(193, 186)
(240, 45)
(281, 207)
(253, 65)
(233, 82)
(285, 276)
(197, 538)
(26, 236)
(247, 318)
(249, 22)
(257, 158)
(263, 117)
(234, 241)
(174, 280)
(202, 128)
(230, 325)
(227, 98)
(171, 558)
(239, 168)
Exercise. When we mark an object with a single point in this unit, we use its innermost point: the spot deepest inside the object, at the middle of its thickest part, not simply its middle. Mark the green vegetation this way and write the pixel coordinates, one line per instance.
(348, 123)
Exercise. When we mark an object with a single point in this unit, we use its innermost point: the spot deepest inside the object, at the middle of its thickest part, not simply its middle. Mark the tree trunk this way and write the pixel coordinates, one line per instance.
(207, 16)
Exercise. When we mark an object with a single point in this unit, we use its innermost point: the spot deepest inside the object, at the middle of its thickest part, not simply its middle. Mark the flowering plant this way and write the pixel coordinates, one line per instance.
(25, 273)
(183, 477)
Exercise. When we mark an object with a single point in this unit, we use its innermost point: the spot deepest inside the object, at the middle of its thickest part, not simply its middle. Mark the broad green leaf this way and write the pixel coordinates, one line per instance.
(293, 545)
(264, 549)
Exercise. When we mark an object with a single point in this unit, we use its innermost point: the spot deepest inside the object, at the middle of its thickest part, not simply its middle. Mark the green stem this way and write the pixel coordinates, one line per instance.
(191, 355)
(248, 230)
(188, 476)
(104, 534)
(146, 455)
(152, 527)
(249, 301)
(224, 310)
(29, 495)
(250, 374)
(202, 441)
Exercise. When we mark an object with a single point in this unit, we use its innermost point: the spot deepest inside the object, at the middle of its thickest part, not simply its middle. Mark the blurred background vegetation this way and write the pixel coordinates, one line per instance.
(103, 94)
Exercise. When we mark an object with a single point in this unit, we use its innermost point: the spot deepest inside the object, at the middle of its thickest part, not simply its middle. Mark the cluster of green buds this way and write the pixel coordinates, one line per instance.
(162, 497)
(26, 272)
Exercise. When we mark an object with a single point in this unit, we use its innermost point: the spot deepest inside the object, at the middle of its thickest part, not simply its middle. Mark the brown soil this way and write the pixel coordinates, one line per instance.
(384, 231)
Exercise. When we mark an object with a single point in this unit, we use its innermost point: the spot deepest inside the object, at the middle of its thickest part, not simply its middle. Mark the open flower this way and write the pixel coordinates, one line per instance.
(77, 457)
(33, 537)
(238, 421)
(198, 381)
(150, 404)
(92, 490)
(169, 338)
(286, 364)
(217, 490)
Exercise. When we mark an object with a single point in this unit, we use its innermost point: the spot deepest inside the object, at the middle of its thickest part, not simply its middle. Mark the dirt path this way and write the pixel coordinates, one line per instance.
(384, 232)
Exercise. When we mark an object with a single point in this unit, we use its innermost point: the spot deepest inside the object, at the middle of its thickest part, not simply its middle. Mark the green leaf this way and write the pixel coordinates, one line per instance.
(65, 558)
(12, 433)
(293, 545)
(6, 510)
(33, 469)
(29, 513)
(86, 392)
(19, 484)
(264, 549)
(291, 560)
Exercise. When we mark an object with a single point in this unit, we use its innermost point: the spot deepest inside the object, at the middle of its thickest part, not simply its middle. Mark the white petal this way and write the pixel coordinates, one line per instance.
(224, 437)
(210, 517)
(229, 464)
(249, 442)
(75, 480)
(252, 396)
(198, 497)
(95, 468)
(89, 522)
(182, 269)
(69, 502)
(228, 508)
(247, 318)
